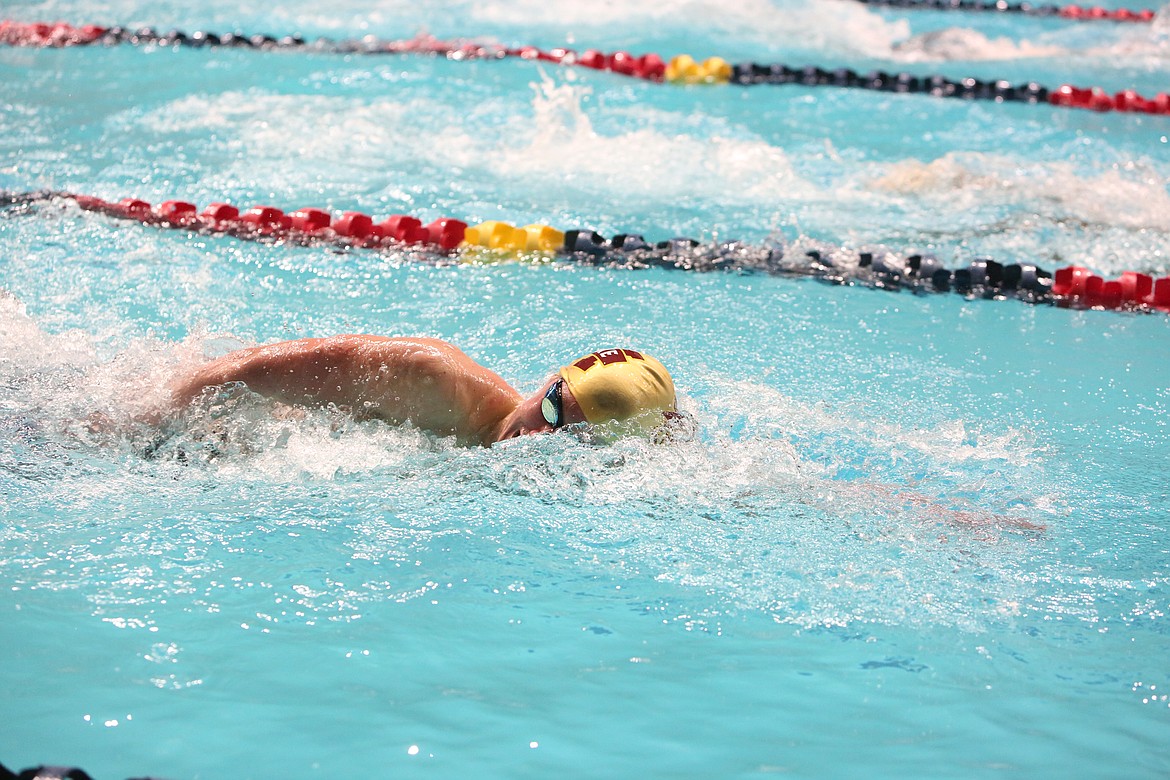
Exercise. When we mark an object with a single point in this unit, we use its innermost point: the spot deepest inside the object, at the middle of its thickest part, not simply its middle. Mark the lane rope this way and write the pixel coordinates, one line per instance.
(680, 69)
(1079, 13)
(1069, 287)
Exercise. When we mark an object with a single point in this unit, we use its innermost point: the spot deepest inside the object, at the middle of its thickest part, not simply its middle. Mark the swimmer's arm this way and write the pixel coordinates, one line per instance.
(307, 371)
(931, 508)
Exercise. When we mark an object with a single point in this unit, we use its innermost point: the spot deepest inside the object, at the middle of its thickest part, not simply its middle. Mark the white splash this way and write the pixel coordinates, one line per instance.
(27, 345)
(555, 149)
(1132, 195)
(562, 146)
(838, 25)
(961, 43)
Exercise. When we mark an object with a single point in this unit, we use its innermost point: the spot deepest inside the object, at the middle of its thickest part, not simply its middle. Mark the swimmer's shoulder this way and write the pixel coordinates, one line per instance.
(412, 349)
(414, 359)
(357, 345)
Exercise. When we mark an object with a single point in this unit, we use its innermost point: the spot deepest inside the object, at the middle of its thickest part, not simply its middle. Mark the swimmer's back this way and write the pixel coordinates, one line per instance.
(426, 381)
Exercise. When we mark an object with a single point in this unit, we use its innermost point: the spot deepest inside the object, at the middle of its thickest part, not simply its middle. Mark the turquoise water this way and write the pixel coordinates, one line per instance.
(842, 576)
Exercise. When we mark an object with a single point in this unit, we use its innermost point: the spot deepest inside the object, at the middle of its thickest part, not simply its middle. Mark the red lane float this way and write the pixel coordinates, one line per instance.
(1072, 286)
(1078, 285)
(306, 224)
(1097, 13)
(310, 221)
(48, 35)
(1096, 99)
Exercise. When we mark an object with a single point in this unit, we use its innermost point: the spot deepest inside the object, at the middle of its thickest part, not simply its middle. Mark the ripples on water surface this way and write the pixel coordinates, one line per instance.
(928, 529)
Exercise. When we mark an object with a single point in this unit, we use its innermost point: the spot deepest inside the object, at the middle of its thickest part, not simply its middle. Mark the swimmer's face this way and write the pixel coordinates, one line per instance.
(529, 417)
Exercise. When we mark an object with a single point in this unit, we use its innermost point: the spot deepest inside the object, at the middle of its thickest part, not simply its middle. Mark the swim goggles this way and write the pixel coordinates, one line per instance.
(551, 407)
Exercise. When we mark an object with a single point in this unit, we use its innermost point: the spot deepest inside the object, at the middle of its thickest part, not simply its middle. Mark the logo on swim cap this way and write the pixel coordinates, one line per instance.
(607, 357)
(618, 384)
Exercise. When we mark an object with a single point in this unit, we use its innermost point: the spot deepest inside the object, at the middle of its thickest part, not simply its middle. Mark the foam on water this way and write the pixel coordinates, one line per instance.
(970, 180)
(1112, 216)
(854, 28)
(553, 145)
(62, 377)
(961, 43)
(654, 164)
(1115, 220)
(1145, 46)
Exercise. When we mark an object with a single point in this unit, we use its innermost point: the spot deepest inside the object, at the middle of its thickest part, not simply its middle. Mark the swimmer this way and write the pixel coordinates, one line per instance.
(436, 387)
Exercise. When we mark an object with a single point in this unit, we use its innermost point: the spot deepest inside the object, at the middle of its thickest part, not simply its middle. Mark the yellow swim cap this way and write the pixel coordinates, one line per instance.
(618, 384)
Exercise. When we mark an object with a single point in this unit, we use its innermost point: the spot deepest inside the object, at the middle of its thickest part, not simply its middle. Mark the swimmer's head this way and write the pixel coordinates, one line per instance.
(615, 391)
(621, 385)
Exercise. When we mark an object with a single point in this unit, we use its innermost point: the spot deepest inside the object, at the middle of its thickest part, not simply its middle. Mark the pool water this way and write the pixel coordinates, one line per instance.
(914, 536)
